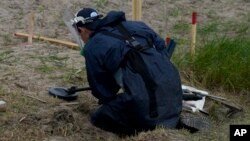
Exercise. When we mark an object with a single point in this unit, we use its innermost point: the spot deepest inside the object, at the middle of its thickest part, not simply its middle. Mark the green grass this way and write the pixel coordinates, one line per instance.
(175, 12)
(223, 62)
(4, 55)
(41, 8)
(181, 26)
(6, 39)
(208, 28)
(74, 76)
(50, 63)
(99, 3)
(45, 68)
(243, 28)
(17, 102)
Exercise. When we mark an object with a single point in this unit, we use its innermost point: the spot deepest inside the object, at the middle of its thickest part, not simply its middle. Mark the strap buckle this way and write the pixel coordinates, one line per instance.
(132, 42)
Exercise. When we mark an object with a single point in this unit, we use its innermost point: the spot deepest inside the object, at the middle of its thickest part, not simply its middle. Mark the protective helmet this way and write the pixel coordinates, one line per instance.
(86, 17)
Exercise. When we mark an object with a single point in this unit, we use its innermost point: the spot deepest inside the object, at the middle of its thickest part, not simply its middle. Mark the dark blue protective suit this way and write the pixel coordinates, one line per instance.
(128, 112)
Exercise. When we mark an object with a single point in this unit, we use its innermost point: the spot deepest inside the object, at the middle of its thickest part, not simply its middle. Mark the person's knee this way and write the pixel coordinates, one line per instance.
(94, 118)
(100, 117)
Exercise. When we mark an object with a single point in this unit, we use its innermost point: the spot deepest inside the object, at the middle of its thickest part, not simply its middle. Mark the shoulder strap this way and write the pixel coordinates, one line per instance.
(126, 36)
(124, 31)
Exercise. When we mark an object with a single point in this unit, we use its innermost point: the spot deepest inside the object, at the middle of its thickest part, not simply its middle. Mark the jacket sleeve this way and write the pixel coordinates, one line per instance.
(100, 63)
(156, 39)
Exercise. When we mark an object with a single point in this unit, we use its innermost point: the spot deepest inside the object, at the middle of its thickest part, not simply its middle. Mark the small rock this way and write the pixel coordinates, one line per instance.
(2, 106)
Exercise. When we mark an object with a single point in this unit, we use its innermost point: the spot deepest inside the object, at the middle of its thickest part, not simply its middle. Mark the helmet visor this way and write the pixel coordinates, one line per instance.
(68, 19)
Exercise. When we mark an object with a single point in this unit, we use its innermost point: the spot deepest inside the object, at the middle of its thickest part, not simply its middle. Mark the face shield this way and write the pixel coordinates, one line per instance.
(67, 18)
(71, 20)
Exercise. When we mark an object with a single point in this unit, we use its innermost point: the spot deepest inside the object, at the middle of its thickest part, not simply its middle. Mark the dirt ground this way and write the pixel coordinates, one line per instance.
(28, 71)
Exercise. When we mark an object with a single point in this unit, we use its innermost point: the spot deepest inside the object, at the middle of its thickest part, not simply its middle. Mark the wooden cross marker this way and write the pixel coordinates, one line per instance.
(31, 27)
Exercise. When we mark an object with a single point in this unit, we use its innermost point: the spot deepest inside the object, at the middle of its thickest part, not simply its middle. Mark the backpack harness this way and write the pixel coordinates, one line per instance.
(133, 56)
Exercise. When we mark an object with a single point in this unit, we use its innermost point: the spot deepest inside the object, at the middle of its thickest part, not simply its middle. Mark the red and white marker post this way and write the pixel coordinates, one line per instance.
(194, 30)
(167, 40)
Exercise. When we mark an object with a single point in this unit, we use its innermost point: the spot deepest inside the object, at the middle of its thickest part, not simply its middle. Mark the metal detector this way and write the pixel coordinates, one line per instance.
(67, 94)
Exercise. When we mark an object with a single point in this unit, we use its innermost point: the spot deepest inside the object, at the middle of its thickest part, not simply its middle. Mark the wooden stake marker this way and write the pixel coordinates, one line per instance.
(136, 10)
(31, 27)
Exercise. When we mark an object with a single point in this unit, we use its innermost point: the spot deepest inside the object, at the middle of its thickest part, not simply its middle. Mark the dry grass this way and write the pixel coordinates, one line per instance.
(31, 119)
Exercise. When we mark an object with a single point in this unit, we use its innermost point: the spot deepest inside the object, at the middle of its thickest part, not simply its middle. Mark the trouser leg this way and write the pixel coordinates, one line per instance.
(108, 120)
